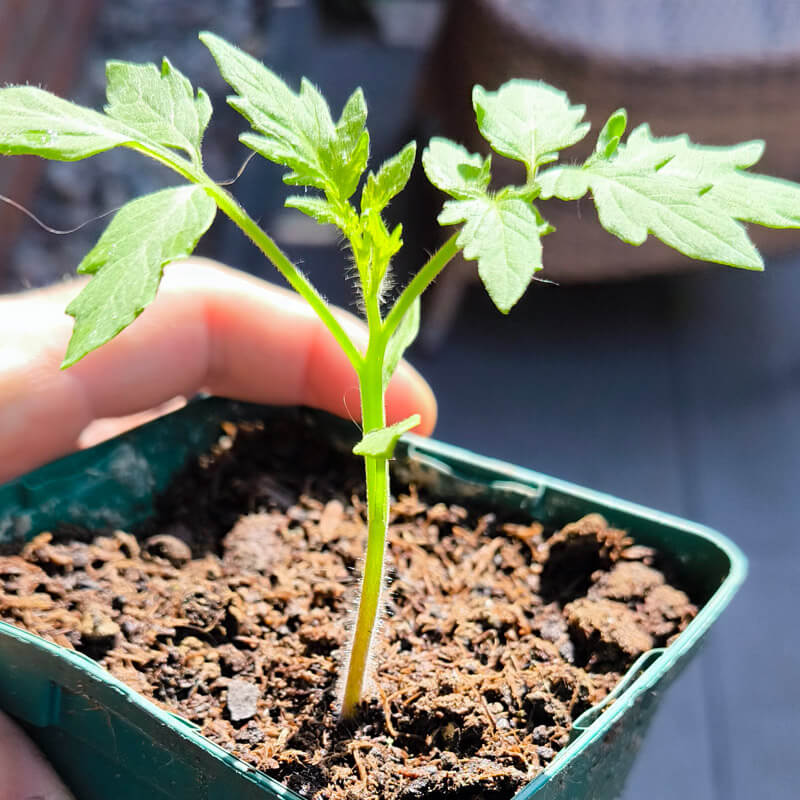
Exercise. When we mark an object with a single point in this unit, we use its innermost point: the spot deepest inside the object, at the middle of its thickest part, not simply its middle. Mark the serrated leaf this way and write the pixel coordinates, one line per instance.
(400, 341)
(681, 193)
(390, 179)
(761, 199)
(453, 169)
(353, 120)
(503, 234)
(350, 146)
(381, 443)
(317, 208)
(289, 128)
(742, 195)
(36, 122)
(161, 105)
(528, 121)
(345, 168)
(128, 261)
(293, 129)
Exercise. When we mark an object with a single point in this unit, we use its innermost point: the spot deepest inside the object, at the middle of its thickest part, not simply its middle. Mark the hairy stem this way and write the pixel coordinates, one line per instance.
(377, 469)
(228, 205)
(373, 416)
(435, 264)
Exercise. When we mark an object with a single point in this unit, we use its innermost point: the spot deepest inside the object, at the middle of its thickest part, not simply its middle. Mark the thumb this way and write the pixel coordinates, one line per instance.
(24, 773)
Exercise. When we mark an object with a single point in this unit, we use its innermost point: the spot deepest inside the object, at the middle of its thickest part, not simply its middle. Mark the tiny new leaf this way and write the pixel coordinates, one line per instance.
(161, 105)
(400, 340)
(129, 259)
(380, 443)
(378, 248)
(389, 181)
(319, 209)
(609, 137)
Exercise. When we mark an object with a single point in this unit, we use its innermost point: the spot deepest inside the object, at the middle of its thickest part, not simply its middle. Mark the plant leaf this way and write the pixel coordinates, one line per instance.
(375, 247)
(501, 231)
(296, 130)
(128, 261)
(350, 148)
(161, 105)
(401, 339)
(36, 122)
(685, 195)
(353, 120)
(529, 121)
(453, 169)
(317, 208)
(390, 180)
(503, 234)
(742, 195)
(380, 443)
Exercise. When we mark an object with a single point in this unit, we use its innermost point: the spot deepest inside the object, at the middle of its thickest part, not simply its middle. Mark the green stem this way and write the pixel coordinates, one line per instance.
(369, 368)
(228, 205)
(169, 158)
(435, 264)
(377, 470)
(373, 416)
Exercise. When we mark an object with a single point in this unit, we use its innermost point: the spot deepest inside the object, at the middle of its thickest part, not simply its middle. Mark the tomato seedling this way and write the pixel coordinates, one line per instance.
(692, 198)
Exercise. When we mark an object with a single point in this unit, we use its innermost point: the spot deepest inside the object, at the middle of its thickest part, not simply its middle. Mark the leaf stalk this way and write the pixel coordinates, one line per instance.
(299, 282)
(427, 274)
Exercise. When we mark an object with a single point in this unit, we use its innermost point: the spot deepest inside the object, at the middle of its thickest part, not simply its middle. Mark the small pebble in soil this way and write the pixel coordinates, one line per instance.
(242, 700)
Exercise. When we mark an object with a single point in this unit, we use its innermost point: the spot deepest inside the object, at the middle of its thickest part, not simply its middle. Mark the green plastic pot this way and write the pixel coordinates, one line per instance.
(107, 741)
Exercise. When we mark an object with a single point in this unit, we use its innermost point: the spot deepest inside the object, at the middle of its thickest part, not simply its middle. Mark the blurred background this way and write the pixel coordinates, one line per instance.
(637, 373)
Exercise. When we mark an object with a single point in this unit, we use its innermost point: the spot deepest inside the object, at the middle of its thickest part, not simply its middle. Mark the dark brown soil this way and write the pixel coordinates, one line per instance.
(231, 609)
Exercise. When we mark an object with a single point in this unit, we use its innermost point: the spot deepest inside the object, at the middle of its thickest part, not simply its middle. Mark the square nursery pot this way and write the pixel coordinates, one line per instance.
(107, 741)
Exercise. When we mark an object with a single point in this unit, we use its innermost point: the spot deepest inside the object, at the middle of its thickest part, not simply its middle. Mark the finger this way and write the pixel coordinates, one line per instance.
(100, 430)
(23, 771)
(210, 327)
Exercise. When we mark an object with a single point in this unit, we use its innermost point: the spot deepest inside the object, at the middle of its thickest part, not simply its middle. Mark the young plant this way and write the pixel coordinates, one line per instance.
(691, 197)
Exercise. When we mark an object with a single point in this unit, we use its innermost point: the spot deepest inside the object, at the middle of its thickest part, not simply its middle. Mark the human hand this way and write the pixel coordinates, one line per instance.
(210, 328)
(24, 774)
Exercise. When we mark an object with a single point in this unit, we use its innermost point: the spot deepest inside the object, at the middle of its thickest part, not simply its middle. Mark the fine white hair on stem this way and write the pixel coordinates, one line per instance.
(350, 627)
